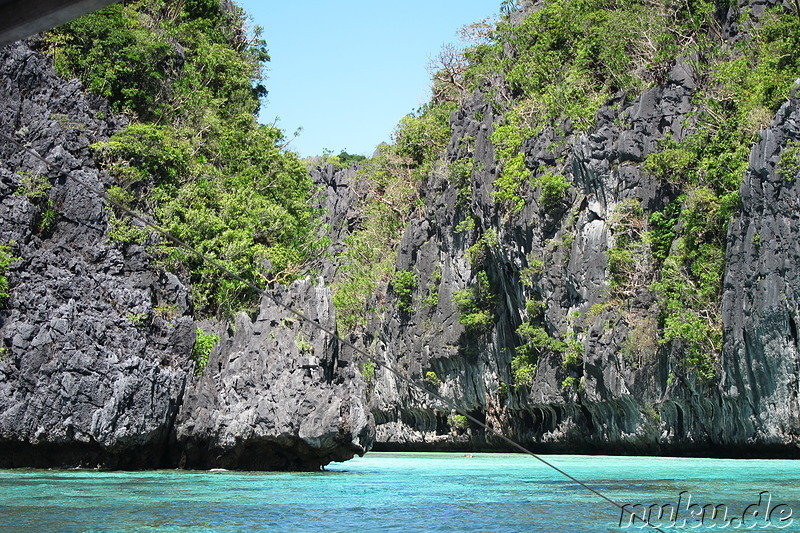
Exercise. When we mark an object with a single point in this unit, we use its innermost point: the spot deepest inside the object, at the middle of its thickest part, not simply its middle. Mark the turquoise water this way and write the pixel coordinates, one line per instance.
(400, 492)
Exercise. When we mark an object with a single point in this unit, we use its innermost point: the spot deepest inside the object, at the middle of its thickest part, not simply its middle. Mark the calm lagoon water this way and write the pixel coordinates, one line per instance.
(402, 492)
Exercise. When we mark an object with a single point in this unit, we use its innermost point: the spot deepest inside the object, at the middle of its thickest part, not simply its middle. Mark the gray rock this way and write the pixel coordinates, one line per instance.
(276, 394)
(89, 374)
(640, 403)
(93, 372)
(762, 287)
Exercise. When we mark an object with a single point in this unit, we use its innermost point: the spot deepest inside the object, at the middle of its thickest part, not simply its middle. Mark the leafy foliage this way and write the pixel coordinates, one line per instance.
(601, 47)
(36, 188)
(422, 136)
(628, 259)
(432, 378)
(127, 53)
(458, 421)
(368, 371)
(476, 304)
(404, 284)
(6, 259)
(554, 186)
(371, 250)
(789, 163)
(392, 179)
(195, 156)
(203, 344)
(342, 160)
(478, 253)
(536, 341)
(507, 138)
(746, 84)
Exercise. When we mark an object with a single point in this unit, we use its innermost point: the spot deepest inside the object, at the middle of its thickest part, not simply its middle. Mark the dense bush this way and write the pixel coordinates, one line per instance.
(404, 284)
(203, 344)
(194, 156)
(6, 259)
(476, 305)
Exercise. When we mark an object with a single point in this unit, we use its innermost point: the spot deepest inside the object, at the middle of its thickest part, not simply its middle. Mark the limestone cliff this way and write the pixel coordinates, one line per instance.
(96, 364)
(624, 388)
(545, 319)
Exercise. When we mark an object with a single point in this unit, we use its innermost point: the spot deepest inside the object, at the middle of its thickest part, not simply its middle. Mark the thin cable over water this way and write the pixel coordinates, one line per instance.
(449, 403)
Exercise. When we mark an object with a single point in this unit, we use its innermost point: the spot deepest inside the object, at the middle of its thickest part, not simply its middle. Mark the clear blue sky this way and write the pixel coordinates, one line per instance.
(347, 71)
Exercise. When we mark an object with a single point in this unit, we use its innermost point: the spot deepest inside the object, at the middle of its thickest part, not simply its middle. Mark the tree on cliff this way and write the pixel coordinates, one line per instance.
(190, 77)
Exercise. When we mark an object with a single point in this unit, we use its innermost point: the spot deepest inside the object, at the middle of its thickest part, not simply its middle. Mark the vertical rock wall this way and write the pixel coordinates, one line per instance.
(276, 394)
(96, 361)
(628, 394)
(90, 373)
(762, 288)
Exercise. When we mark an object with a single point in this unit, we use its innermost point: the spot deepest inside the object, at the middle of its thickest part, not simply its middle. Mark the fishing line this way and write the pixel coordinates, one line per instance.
(333, 335)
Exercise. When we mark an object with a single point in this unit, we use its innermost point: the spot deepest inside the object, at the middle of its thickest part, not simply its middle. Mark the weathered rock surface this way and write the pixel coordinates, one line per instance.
(613, 411)
(621, 400)
(93, 371)
(95, 367)
(762, 291)
(276, 394)
(89, 373)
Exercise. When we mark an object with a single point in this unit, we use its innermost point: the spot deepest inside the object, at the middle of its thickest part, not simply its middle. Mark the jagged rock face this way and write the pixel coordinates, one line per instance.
(97, 339)
(607, 415)
(762, 289)
(644, 404)
(276, 395)
(339, 203)
(89, 374)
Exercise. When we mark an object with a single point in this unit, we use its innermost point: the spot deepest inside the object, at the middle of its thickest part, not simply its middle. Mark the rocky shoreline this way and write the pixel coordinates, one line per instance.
(96, 361)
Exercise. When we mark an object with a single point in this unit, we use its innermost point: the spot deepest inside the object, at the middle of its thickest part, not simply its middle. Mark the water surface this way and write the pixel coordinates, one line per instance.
(406, 492)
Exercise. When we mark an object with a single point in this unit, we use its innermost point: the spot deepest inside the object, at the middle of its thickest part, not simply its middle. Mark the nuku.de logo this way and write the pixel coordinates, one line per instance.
(683, 514)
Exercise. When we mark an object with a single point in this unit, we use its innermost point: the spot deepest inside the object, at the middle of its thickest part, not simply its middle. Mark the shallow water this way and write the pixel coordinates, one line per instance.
(411, 492)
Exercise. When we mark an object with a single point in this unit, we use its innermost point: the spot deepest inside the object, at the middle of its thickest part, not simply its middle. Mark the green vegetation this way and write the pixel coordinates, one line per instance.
(166, 311)
(36, 188)
(569, 382)
(203, 343)
(6, 259)
(432, 378)
(371, 250)
(536, 341)
(458, 421)
(392, 179)
(507, 139)
(195, 158)
(368, 371)
(421, 136)
(476, 305)
(789, 163)
(529, 274)
(523, 368)
(746, 84)
(137, 319)
(478, 253)
(628, 259)
(573, 355)
(600, 47)
(343, 160)
(404, 284)
(554, 187)
(460, 175)
(302, 344)
(432, 299)
(194, 155)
